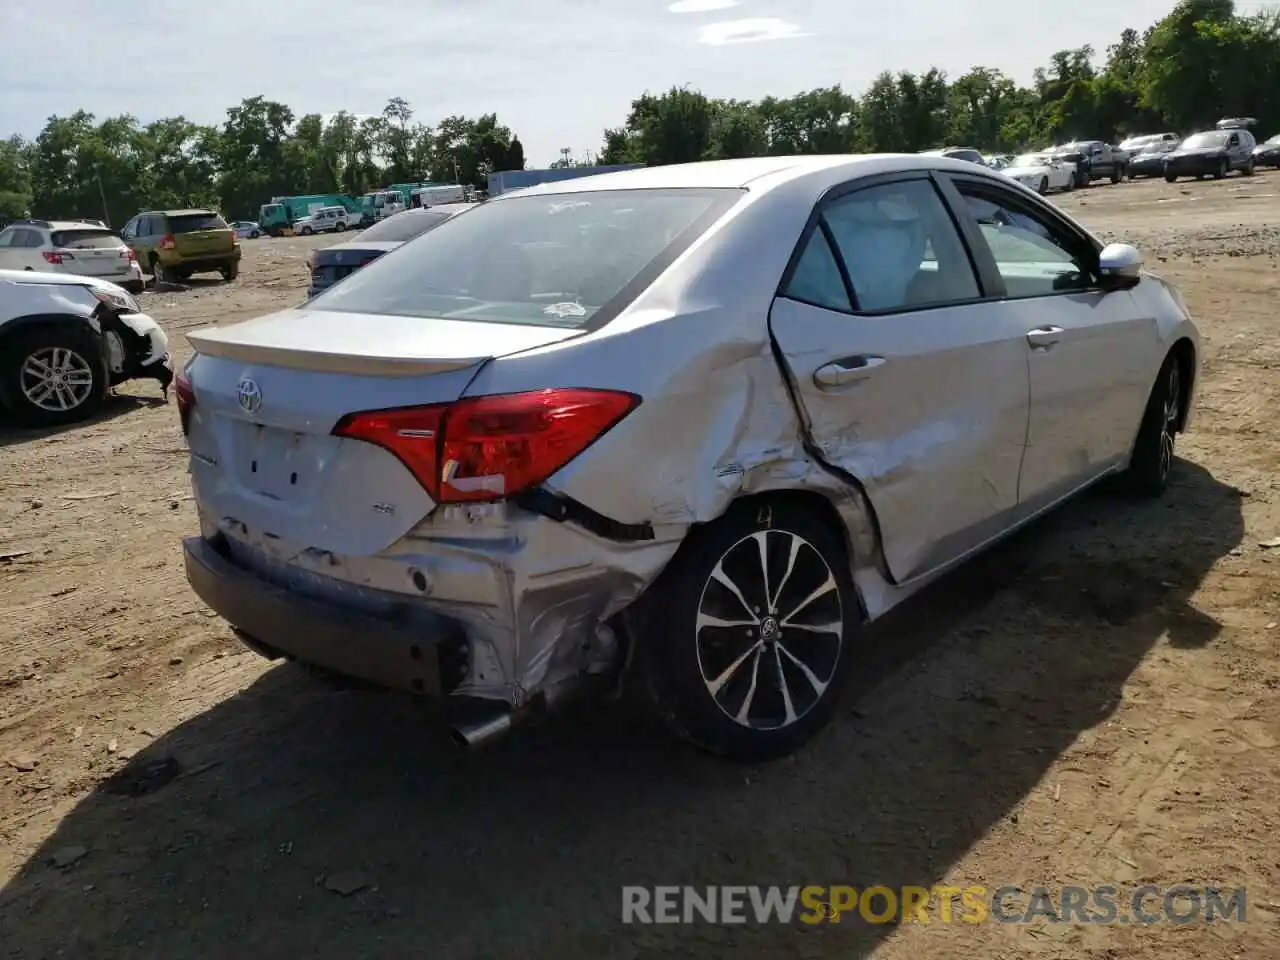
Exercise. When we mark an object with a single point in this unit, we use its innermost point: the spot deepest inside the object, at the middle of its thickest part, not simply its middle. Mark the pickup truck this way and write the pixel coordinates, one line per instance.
(1094, 160)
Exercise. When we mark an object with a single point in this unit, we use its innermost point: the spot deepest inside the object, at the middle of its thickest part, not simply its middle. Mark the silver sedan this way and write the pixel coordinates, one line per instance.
(683, 429)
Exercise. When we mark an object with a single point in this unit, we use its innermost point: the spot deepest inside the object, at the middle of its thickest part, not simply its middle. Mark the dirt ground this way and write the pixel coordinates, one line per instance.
(1096, 702)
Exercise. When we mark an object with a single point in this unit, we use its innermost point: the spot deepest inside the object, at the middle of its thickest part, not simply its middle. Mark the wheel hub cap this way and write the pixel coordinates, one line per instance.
(56, 379)
(770, 630)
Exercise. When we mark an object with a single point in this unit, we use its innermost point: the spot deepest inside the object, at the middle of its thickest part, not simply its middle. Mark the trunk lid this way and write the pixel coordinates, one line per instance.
(331, 264)
(264, 462)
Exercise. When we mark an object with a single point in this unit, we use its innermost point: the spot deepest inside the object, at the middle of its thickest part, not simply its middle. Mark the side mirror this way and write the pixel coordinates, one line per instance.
(1120, 265)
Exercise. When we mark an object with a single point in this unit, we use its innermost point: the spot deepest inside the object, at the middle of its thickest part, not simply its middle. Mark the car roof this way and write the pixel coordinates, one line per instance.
(59, 225)
(193, 212)
(745, 172)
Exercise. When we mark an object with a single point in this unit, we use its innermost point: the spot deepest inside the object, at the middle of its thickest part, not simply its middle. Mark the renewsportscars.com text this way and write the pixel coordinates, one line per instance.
(813, 904)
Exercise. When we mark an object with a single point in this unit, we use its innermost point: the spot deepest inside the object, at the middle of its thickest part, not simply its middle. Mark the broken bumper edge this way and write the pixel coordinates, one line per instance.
(275, 622)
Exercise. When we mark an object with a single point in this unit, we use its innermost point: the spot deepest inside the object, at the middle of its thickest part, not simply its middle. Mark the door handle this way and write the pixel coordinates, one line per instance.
(847, 370)
(1044, 338)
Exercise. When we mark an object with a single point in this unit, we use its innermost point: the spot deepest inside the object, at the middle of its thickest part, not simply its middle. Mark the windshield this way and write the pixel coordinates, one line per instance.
(544, 260)
(1136, 142)
(403, 226)
(86, 239)
(1198, 141)
(192, 222)
(1031, 160)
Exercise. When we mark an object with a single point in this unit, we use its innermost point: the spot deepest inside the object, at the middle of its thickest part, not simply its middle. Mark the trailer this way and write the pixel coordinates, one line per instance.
(507, 180)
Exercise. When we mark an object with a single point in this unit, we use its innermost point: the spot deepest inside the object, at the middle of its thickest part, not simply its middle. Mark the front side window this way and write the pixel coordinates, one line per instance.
(1033, 258)
(900, 247)
(546, 260)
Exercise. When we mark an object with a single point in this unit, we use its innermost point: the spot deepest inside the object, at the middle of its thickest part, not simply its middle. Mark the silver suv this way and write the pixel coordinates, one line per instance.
(82, 247)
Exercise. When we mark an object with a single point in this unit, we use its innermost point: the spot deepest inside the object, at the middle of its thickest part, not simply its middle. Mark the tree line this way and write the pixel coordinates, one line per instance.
(1205, 60)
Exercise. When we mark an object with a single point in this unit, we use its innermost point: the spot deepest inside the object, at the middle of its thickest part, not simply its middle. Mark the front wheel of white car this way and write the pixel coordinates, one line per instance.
(753, 631)
(53, 375)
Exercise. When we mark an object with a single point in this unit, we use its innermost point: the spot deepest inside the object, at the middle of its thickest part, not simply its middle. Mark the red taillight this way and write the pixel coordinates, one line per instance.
(130, 253)
(487, 448)
(168, 243)
(186, 399)
(56, 256)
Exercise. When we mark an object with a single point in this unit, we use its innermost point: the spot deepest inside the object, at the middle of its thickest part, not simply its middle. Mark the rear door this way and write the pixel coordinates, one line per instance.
(201, 234)
(1089, 349)
(907, 380)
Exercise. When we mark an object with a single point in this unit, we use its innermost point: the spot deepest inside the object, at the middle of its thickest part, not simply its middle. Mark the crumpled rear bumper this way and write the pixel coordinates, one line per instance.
(418, 656)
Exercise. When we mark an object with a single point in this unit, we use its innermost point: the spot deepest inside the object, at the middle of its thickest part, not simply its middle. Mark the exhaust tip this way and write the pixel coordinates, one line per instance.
(471, 736)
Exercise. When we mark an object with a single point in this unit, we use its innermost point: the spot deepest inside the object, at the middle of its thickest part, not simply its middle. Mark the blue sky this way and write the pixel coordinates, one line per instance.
(557, 71)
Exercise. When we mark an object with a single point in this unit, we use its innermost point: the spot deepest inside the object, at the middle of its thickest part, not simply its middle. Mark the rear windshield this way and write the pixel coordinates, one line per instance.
(85, 239)
(403, 226)
(543, 260)
(192, 222)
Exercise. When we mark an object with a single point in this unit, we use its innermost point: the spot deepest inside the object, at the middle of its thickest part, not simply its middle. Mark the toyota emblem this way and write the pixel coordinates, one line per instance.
(249, 394)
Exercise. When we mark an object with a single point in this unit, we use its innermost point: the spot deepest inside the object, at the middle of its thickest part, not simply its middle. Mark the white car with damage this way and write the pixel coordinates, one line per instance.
(1041, 172)
(66, 340)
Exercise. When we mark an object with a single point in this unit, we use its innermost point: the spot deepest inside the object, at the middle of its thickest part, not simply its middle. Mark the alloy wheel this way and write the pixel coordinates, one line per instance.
(770, 630)
(1169, 422)
(56, 379)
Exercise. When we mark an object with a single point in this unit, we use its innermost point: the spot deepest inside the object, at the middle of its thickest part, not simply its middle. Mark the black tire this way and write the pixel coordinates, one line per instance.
(1044, 185)
(1152, 460)
(1221, 172)
(159, 272)
(1170, 178)
(306, 231)
(254, 235)
(340, 227)
(1117, 174)
(135, 286)
(87, 359)
(230, 271)
(1248, 169)
(680, 650)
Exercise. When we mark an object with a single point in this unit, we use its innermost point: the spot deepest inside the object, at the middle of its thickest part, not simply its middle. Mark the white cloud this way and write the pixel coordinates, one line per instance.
(701, 6)
(748, 31)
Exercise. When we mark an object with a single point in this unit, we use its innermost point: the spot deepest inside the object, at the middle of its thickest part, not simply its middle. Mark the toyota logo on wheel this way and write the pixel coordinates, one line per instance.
(249, 394)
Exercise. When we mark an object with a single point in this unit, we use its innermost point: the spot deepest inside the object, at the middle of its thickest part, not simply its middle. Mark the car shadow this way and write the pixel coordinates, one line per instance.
(291, 819)
(116, 405)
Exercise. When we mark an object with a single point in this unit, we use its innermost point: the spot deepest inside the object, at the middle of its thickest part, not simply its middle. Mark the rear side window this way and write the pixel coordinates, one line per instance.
(900, 248)
(86, 239)
(194, 222)
(563, 260)
(403, 226)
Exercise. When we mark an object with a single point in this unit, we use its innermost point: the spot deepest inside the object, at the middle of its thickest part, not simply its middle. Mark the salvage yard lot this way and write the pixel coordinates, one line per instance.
(1096, 702)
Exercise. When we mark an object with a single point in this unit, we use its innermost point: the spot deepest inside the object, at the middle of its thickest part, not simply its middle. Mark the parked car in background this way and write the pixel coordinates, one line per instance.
(66, 340)
(1142, 142)
(1267, 153)
(331, 264)
(1147, 159)
(827, 380)
(70, 246)
(967, 154)
(327, 220)
(997, 161)
(247, 229)
(175, 244)
(1093, 160)
(1041, 172)
(1211, 153)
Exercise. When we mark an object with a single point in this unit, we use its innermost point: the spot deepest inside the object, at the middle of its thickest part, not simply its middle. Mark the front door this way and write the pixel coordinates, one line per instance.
(1089, 349)
(907, 380)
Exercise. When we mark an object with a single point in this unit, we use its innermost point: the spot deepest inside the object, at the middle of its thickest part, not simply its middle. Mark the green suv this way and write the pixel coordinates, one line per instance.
(174, 244)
